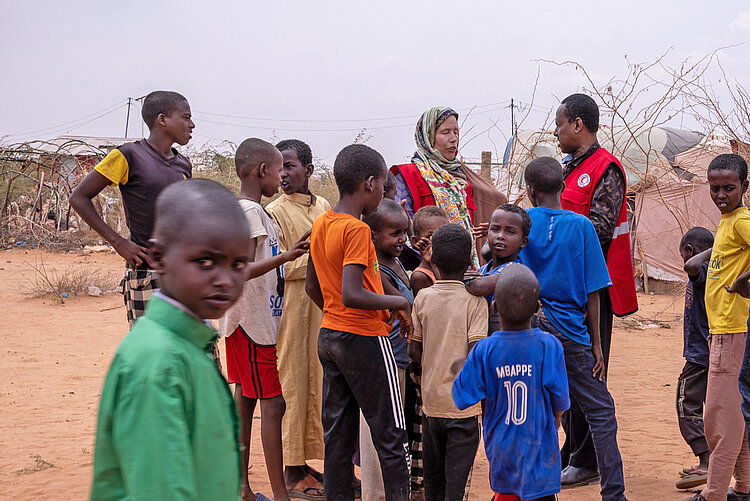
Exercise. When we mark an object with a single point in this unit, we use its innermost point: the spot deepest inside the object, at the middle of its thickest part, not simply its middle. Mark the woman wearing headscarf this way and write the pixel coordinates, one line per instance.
(435, 176)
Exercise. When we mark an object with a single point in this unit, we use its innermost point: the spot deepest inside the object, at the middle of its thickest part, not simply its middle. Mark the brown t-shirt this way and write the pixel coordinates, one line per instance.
(446, 319)
(141, 173)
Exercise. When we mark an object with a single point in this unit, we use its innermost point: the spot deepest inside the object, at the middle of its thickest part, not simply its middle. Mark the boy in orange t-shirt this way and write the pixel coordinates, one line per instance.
(359, 370)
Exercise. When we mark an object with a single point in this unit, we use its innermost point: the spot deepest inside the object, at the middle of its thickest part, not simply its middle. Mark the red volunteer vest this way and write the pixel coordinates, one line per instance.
(579, 190)
(421, 192)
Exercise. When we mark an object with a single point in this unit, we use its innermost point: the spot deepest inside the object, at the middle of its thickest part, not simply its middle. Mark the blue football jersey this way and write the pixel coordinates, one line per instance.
(565, 255)
(522, 376)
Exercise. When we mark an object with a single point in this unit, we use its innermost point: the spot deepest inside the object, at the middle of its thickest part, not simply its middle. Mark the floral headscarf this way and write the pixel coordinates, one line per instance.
(446, 181)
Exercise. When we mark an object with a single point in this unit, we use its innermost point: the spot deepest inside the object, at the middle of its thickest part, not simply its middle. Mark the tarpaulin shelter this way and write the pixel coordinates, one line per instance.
(667, 186)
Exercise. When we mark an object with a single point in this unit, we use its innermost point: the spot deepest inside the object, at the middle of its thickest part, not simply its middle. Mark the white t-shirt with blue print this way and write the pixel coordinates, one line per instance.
(258, 311)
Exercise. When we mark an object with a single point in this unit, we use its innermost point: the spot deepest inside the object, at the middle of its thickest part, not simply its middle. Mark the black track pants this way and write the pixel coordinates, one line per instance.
(359, 372)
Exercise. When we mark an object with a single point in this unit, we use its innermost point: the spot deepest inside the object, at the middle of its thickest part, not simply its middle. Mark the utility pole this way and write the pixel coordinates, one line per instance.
(512, 118)
(140, 100)
(127, 119)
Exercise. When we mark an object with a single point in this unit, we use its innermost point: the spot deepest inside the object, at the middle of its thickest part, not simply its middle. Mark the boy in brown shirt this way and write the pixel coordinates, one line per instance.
(448, 321)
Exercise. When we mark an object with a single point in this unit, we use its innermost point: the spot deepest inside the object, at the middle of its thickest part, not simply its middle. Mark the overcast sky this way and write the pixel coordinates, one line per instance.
(322, 71)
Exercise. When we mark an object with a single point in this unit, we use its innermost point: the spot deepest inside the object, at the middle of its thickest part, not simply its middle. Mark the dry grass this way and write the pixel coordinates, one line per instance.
(68, 282)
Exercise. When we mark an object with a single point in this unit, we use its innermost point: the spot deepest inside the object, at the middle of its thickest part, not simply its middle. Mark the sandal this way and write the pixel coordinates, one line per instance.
(314, 473)
(307, 488)
(357, 484)
(694, 479)
(688, 471)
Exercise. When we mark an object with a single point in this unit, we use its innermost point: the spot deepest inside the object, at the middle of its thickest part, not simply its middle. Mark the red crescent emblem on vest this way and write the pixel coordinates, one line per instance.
(584, 180)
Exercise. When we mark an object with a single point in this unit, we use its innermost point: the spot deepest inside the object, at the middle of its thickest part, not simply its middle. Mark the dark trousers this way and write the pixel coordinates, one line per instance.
(598, 408)
(413, 411)
(359, 372)
(450, 446)
(691, 395)
(578, 449)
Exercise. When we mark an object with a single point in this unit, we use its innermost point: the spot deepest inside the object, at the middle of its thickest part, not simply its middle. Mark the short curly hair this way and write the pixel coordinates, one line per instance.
(354, 164)
(730, 161)
(301, 148)
(545, 175)
(160, 102)
(451, 248)
(423, 214)
(525, 219)
(583, 107)
(700, 238)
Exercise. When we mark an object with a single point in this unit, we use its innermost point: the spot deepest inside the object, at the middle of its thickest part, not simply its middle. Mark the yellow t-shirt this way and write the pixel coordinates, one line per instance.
(727, 312)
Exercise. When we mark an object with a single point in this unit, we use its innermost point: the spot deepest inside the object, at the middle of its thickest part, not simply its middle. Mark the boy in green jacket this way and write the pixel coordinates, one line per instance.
(167, 426)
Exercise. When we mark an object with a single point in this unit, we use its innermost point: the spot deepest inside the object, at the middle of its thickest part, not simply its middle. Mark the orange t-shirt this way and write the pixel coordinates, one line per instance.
(338, 240)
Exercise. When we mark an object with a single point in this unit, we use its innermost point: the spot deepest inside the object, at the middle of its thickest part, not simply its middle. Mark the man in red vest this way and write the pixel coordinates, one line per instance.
(595, 186)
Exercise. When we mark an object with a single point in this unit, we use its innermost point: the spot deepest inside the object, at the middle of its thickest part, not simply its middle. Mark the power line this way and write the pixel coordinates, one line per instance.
(78, 126)
(343, 120)
(342, 129)
(112, 107)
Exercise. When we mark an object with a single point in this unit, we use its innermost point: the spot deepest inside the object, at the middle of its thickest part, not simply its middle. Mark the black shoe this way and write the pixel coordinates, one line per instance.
(733, 495)
(697, 497)
(573, 476)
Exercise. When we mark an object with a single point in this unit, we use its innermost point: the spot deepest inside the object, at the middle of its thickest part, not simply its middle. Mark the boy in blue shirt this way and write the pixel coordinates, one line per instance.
(507, 233)
(565, 255)
(693, 380)
(520, 372)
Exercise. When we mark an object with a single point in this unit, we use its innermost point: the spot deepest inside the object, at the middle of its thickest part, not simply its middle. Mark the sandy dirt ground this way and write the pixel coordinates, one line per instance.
(53, 359)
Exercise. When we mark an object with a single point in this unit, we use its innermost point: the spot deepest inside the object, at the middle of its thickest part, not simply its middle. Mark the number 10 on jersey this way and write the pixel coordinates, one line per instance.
(517, 402)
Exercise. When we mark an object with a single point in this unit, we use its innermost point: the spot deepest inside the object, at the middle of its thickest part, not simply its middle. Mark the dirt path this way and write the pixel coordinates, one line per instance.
(54, 357)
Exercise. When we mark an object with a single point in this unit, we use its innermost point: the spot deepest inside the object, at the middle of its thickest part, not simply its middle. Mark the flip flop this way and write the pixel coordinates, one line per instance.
(307, 488)
(694, 479)
(314, 473)
(357, 484)
(688, 471)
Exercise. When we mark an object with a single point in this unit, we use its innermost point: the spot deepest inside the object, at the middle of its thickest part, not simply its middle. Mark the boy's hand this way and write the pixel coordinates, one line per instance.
(480, 230)
(599, 365)
(740, 286)
(403, 315)
(423, 244)
(134, 254)
(471, 275)
(427, 252)
(300, 247)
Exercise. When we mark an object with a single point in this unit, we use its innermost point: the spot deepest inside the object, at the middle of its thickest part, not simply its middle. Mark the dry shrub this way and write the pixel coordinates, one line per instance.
(72, 280)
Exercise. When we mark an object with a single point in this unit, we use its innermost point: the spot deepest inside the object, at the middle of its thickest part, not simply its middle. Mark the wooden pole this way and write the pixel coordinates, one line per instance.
(486, 168)
(38, 196)
(644, 267)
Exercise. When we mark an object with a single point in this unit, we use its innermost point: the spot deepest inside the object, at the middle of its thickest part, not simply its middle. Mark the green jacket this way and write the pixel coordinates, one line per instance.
(168, 426)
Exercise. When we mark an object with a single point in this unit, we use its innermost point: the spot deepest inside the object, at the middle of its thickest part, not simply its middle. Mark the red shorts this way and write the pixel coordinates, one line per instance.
(513, 497)
(252, 366)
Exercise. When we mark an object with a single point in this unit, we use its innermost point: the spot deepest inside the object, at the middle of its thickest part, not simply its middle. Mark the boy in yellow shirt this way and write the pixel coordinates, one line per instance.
(727, 322)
